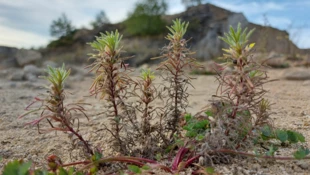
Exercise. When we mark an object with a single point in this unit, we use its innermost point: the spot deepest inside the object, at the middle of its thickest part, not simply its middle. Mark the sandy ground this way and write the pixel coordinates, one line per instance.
(291, 110)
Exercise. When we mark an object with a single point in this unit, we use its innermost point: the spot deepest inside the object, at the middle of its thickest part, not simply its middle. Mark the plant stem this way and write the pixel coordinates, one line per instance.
(176, 94)
(113, 95)
(89, 150)
(227, 151)
(61, 113)
(76, 163)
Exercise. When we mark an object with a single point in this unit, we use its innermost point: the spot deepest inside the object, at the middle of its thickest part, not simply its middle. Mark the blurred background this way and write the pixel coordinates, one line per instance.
(40, 32)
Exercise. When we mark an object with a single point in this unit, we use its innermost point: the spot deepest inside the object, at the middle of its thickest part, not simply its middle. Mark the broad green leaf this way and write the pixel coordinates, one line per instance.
(191, 134)
(158, 157)
(134, 169)
(281, 135)
(146, 167)
(40, 172)
(292, 137)
(16, 168)
(62, 171)
(301, 153)
(210, 170)
(200, 137)
(209, 113)
(188, 117)
(300, 137)
(24, 168)
(266, 131)
(201, 124)
(71, 171)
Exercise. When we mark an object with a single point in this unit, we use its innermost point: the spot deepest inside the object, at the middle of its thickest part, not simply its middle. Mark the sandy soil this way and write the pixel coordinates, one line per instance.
(291, 111)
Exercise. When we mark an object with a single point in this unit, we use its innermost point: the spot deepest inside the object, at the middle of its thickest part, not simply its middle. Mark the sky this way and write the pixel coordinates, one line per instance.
(25, 23)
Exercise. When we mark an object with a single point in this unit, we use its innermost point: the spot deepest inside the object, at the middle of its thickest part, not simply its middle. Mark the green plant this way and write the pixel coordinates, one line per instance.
(282, 135)
(240, 113)
(145, 129)
(146, 18)
(111, 82)
(177, 58)
(196, 128)
(243, 108)
(55, 112)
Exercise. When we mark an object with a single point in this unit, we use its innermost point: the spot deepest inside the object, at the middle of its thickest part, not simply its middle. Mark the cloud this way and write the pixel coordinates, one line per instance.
(249, 7)
(300, 36)
(19, 38)
(275, 21)
(32, 18)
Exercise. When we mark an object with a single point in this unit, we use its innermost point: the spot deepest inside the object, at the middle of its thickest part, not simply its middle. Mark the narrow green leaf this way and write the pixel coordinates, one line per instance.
(272, 150)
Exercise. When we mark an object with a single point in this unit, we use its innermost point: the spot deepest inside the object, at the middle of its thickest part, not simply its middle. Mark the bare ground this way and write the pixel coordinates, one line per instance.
(291, 111)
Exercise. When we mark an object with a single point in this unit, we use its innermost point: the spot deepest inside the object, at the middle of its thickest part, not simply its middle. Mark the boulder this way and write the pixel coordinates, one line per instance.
(276, 60)
(49, 63)
(24, 56)
(31, 72)
(17, 76)
(297, 74)
(306, 83)
(7, 52)
(8, 57)
(34, 70)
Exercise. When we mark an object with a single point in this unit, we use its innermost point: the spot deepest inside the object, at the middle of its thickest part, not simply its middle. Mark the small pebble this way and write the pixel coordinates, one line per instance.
(303, 165)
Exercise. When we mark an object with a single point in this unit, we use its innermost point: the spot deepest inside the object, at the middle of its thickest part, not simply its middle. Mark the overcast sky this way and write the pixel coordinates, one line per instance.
(25, 23)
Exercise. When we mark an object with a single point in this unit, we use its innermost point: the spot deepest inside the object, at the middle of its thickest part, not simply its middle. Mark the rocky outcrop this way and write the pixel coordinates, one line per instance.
(13, 57)
(297, 74)
(8, 57)
(207, 23)
(24, 56)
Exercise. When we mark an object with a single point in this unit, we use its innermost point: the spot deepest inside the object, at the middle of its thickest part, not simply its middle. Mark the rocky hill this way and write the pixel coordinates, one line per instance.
(207, 22)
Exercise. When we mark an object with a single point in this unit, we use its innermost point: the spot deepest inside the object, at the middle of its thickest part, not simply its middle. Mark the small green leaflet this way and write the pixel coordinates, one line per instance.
(301, 153)
(134, 169)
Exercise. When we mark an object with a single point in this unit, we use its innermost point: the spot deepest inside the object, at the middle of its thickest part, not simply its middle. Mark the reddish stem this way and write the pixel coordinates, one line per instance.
(227, 151)
(76, 163)
(178, 157)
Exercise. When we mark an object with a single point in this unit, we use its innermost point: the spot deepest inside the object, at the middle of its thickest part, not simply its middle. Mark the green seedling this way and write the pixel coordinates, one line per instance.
(55, 112)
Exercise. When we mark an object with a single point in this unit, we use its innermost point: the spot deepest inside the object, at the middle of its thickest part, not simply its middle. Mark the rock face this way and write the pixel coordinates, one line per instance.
(8, 57)
(13, 57)
(24, 57)
(297, 74)
(207, 23)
